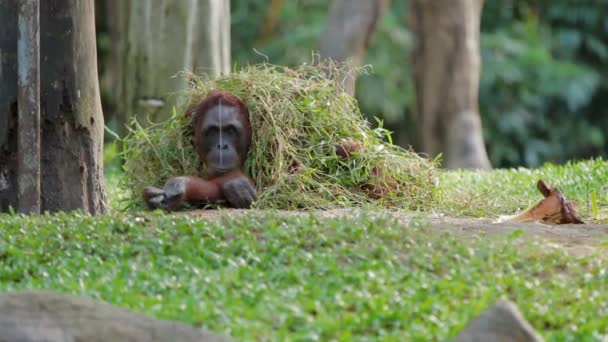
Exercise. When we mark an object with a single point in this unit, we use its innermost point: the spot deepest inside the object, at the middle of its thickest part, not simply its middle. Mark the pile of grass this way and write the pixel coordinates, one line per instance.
(298, 118)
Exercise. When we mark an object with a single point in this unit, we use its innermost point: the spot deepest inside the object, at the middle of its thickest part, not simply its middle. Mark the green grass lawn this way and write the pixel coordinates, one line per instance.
(264, 276)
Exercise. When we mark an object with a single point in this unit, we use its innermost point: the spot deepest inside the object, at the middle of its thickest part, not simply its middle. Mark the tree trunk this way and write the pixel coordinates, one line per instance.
(71, 120)
(28, 98)
(446, 64)
(152, 41)
(350, 27)
(8, 104)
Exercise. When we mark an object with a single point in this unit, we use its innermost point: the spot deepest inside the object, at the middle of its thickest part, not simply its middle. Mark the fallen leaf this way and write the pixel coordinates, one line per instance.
(553, 209)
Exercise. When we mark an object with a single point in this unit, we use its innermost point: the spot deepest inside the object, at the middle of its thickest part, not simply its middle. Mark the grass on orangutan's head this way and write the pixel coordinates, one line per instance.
(298, 117)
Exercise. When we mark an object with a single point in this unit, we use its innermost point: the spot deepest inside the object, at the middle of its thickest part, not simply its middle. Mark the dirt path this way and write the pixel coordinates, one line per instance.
(579, 239)
(576, 239)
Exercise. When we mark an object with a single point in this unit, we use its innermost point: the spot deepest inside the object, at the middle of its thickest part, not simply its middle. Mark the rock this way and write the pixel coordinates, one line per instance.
(500, 323)
(53, 317)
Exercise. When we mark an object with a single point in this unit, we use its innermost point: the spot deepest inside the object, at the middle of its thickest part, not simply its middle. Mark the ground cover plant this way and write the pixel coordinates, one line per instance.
(264, 276)
(299, 116)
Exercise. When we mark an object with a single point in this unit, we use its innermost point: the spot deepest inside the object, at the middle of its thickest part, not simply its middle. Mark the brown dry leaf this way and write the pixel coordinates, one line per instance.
(553, 209)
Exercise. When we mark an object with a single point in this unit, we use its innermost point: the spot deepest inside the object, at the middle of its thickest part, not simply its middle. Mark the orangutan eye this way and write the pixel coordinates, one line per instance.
(231, 129)
(212, 129)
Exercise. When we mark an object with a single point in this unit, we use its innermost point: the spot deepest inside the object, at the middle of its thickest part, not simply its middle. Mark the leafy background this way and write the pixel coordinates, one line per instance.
(542, 97)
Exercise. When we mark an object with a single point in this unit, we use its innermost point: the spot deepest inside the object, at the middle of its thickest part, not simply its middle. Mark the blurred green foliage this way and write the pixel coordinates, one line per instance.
(385, 92)
(542, 94)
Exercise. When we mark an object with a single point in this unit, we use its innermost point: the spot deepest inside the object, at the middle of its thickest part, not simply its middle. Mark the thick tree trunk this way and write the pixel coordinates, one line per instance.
(71, 126)
(8, 104)
(350, 27)
(28, 137)
(446, 75)
(152, 41)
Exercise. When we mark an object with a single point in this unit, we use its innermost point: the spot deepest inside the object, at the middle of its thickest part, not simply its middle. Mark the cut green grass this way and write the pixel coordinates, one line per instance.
(500, 192)
(298, 118)
(503, 192)
(267, 277)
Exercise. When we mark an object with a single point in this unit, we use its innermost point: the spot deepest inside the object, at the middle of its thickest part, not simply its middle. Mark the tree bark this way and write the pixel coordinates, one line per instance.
(350, 27)
(152, 41)
(28, 140)
(446, 69)
(71, 125)
(8, 104)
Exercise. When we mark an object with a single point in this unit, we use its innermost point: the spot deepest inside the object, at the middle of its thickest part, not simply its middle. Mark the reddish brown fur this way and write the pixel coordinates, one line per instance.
(380, 184)
(210, 189)
(347, 147)
(213, 99)
(200, 189)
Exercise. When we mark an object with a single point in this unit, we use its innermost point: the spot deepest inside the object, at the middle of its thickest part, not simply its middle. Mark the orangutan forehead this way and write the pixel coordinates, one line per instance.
(223, 113)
